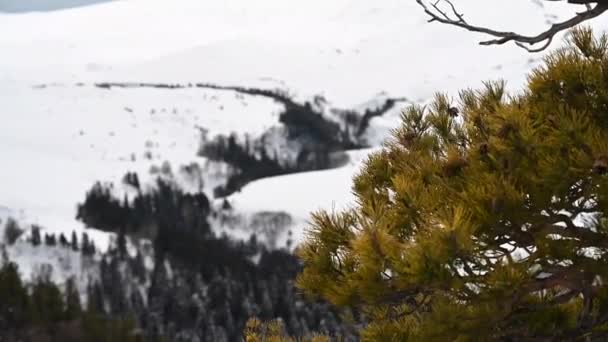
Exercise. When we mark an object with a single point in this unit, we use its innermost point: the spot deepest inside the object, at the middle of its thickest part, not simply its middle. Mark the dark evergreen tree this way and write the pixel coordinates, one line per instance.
(35, 238)
(73, 307)
(50, 240)
(132, 179)
(138, 267)
(87, 245)
(121, 243)
(95, 301)
(47, 306)
(196, 274)
(14, 303)
(12, 231)
(74, 241)
(63, 241)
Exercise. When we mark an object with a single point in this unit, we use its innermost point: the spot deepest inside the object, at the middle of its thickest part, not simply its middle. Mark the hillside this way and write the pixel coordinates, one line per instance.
(265, 107)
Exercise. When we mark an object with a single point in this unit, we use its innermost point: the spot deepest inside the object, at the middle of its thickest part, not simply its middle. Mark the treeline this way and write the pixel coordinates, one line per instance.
(85, 244)
(185, 303)
(297, 116)
(141, 215)
(194, 286)
(317, 136)
(249, 160)
(42, 312)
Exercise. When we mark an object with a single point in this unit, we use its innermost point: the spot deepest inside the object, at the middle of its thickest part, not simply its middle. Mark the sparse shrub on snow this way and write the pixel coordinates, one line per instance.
(270, 225)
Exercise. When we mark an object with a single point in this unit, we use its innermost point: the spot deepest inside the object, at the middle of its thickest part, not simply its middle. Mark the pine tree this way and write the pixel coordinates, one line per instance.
(274, 331)
(35, 239)
(12, 231)
(138, 267)
(47, 305)
(74, 242)
(482, 220)
(95, 301)
(63, 241)
(15, 301)
(84, 244)
(73, 308)
(121, 243)
(87, 245)
(50, 240)
(92, 247)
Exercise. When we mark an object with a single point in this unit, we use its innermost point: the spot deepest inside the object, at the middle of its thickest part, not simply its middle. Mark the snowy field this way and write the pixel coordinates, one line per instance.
(348, 50)
(56, 140)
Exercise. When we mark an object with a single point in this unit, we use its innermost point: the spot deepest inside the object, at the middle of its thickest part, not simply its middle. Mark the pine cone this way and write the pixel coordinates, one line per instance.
(505, 130)
(453, 111)
(600, 166)
(407, 139)
(484, 149)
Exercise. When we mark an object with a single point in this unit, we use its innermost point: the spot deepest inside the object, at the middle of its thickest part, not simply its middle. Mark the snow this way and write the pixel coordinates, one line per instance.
(60, 140)
(347, 49)
(302, 189)
(302, 193)
(60, 263)
(19, 6)
(56, 140)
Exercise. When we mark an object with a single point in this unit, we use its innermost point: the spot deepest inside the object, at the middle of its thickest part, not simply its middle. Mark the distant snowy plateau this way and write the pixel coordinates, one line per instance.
(93, 89)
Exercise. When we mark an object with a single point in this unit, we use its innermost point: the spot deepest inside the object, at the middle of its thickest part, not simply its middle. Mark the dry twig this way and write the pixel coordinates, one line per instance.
(526, 42)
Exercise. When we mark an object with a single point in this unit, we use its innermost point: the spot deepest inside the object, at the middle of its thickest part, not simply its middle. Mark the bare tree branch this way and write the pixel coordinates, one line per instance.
(526, 42)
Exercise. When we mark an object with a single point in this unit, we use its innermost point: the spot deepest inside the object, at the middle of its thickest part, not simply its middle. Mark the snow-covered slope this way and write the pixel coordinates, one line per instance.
(20, 6)
(301, 193)
(347, 49)
(56, 140)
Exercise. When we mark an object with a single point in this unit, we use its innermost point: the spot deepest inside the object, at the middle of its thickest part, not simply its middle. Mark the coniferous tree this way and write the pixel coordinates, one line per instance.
(92, 248)
(49, 239)
(63, 241)
(74, 242)
(84, 243)
(46, 303)
(35, 239)
(121, 242)
(138, 267)
(15, 302)
(483, 220)
(88, 245)
(73, 307)
(115, 287)
(12, 231)
(44, 314)
(95, 302)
